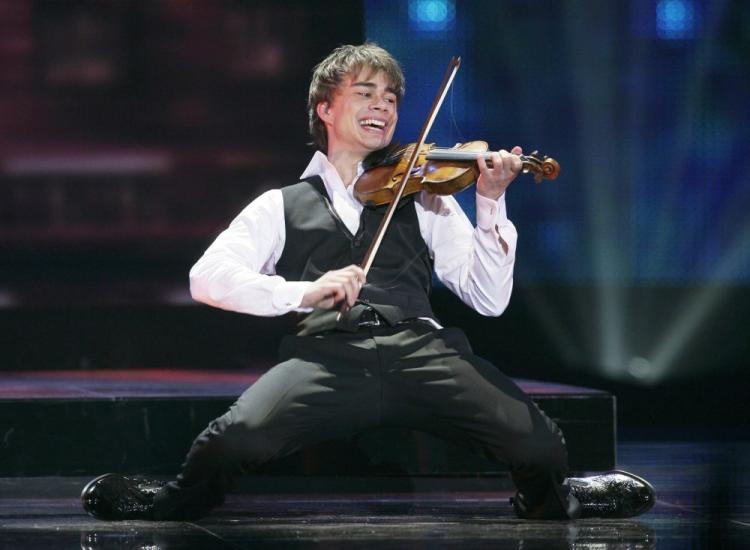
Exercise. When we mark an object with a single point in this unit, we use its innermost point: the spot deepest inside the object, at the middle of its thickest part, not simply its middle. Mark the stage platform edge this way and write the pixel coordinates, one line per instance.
(78, 423)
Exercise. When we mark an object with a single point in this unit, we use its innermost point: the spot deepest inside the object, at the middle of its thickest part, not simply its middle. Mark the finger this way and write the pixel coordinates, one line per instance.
(504, 164)
(496, 165)
(511, 162)
(482, 164)
(497, 160)
(342, 278)
(347, 283)
(349, 290)
(358, 272)
(335, 293)
(353, 290)
(517, 164)
(353, 272)
(352, 297)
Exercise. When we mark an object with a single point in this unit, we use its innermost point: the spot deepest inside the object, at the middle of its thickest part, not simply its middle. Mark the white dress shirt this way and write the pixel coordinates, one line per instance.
(238, 271)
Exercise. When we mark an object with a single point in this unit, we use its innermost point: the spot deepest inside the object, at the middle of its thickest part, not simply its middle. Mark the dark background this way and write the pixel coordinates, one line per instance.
(131, 132)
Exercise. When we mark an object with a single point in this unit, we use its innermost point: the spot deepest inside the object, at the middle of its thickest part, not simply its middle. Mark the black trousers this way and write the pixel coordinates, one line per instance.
(338, 384)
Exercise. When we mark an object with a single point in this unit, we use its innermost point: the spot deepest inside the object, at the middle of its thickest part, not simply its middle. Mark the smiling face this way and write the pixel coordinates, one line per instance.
(362, 116)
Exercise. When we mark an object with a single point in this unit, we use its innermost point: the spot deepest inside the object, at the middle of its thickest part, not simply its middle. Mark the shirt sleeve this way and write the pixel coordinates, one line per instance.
(237, 272)
(475, 263)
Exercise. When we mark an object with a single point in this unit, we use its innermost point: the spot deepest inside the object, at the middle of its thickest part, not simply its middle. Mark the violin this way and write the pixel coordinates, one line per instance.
(437, 170)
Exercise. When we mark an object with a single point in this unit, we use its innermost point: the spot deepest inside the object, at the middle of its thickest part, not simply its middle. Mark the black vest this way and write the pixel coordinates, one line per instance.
(399, 281)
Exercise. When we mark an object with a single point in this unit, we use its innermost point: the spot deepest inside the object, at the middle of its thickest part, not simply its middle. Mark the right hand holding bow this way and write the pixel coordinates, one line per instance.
(334, 286)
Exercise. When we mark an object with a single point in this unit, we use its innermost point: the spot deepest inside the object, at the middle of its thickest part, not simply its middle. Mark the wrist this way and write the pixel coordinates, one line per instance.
(490, 194)
(289, 295)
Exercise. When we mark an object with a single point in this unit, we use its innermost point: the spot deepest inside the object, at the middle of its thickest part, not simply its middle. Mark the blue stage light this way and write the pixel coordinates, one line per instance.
(676, 19)
(432, 15)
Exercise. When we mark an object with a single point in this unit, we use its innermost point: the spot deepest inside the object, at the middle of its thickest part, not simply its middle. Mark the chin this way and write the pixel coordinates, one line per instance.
(382, 143)
(371, 146)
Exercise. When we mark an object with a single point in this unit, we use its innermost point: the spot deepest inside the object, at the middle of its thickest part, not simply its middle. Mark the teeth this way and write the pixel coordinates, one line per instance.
(372, 122)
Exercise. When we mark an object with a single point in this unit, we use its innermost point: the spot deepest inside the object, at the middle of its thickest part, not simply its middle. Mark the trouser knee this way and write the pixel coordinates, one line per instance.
(230, 444)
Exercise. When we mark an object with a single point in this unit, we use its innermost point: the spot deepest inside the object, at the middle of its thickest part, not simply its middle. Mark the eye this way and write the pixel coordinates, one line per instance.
(365, 94)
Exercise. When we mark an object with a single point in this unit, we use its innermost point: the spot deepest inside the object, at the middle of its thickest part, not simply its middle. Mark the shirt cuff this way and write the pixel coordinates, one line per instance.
(490, 212)
(287, 296)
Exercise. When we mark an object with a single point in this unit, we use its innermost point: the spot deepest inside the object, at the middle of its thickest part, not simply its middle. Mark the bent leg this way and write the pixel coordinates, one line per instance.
(438, 385)
(297, 403)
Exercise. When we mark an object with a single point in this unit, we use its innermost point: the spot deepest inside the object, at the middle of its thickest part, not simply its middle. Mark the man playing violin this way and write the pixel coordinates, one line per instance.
(386, 361)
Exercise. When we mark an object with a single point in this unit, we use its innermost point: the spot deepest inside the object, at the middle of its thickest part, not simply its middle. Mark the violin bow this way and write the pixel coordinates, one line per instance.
(450, 74)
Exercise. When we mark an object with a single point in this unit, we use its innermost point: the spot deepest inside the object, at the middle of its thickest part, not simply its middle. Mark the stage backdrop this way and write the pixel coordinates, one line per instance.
(643, 102)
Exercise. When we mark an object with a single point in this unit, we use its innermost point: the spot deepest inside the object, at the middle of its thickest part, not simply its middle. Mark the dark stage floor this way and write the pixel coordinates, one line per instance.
(703, 491)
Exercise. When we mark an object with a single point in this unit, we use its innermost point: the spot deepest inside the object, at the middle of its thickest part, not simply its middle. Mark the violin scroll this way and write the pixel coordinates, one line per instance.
(545, 168)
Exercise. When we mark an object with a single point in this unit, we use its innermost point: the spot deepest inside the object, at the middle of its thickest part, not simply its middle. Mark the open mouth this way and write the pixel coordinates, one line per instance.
(372, 124)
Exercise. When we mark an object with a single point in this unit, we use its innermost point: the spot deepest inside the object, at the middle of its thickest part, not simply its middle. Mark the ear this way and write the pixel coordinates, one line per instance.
(324, 111)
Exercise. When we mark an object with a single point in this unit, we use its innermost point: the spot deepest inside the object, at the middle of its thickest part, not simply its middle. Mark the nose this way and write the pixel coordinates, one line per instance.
(379, 103)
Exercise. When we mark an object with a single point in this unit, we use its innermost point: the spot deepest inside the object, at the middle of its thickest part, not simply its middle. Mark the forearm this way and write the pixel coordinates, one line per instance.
(476, 263)
(237, 272)
(222, 283)
(489, 281)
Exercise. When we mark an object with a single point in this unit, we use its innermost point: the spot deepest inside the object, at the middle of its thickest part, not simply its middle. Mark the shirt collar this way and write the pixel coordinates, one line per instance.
(320, 166)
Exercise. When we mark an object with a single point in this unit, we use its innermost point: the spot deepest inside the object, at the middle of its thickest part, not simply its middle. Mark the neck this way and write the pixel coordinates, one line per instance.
(346, 163)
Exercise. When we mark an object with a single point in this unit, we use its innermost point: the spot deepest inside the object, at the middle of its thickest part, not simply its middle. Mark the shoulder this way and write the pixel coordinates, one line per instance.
(270, 202)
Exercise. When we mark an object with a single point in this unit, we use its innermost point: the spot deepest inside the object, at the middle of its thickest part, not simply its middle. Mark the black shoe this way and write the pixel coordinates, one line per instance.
(553, 509)
(116, 497)
(616, 494)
